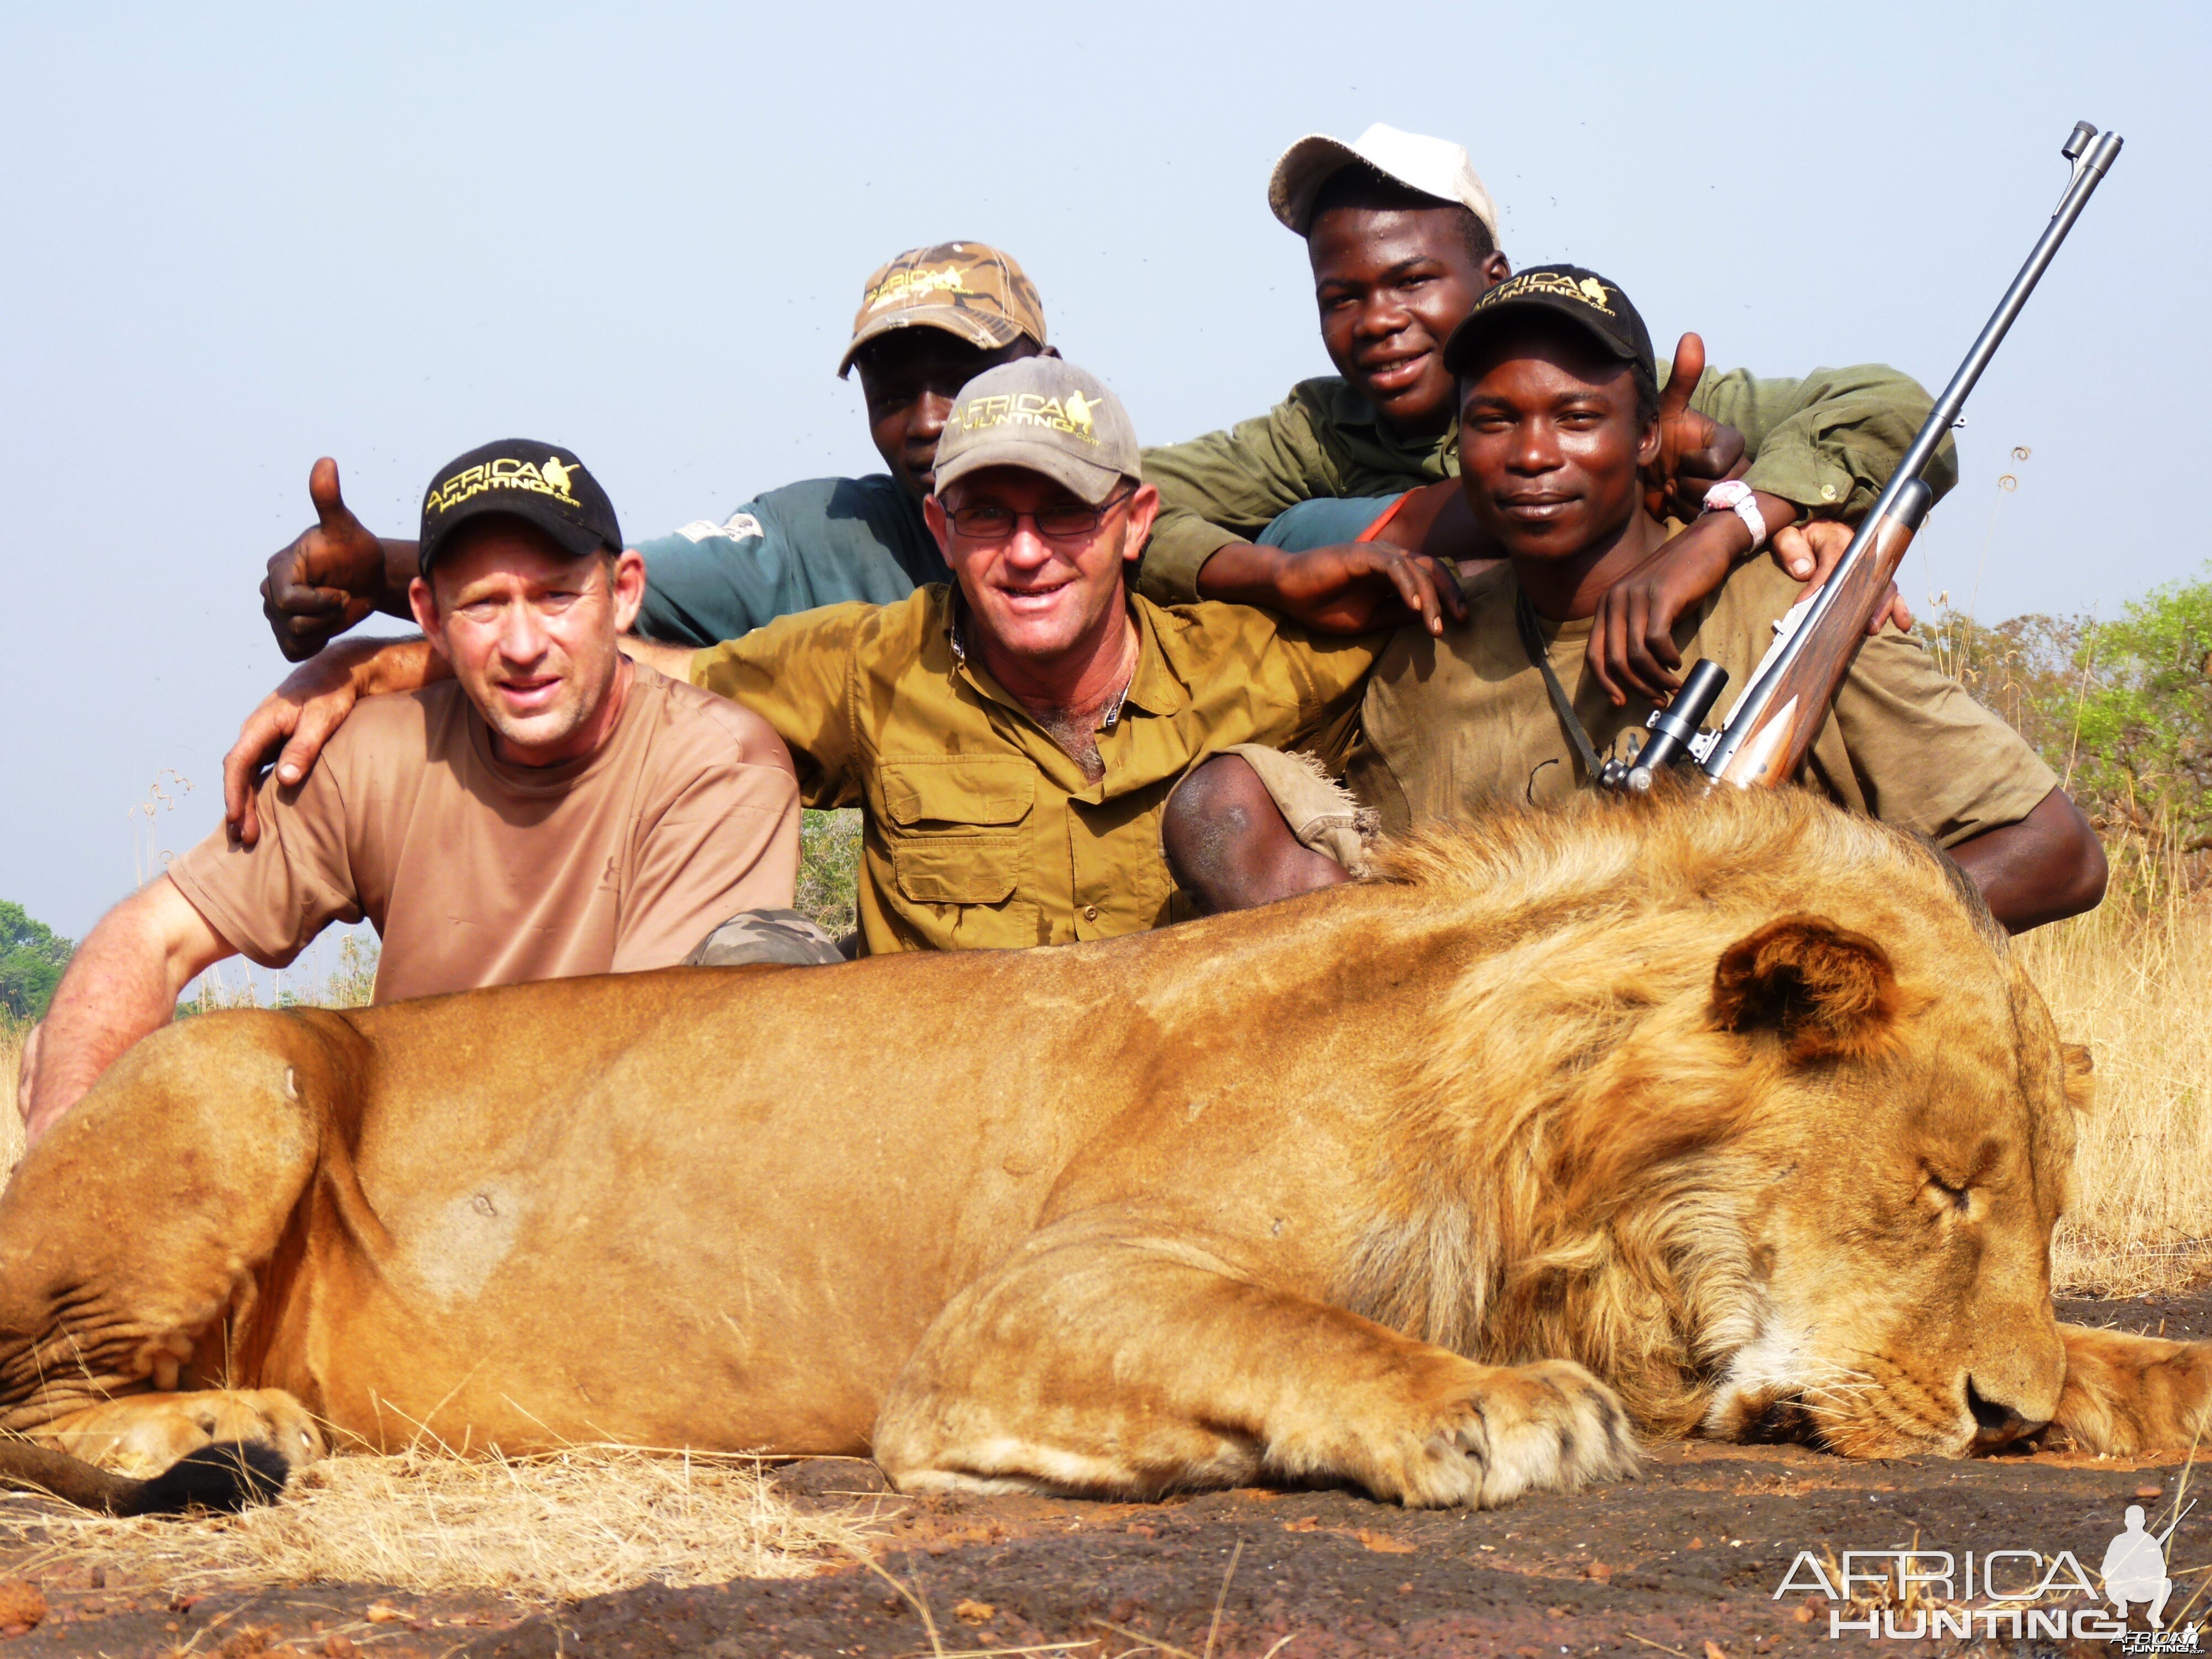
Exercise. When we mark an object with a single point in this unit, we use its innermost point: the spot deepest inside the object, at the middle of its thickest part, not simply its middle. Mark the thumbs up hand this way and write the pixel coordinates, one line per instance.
(328, 579)
(1695, 451)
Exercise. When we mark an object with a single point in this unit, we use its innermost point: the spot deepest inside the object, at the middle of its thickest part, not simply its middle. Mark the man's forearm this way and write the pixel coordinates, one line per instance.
(388, 666)
(2047, 866)
(402, 561)
(122, 985)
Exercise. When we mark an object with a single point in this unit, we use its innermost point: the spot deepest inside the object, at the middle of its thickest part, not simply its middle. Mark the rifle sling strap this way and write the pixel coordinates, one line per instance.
(1533, 642)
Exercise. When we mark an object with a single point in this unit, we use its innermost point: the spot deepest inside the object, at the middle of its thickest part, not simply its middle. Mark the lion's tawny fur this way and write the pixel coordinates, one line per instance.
(1338, 1189)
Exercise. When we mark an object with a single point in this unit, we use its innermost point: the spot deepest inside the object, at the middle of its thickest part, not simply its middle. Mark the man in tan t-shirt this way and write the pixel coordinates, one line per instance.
(1558, 397)
(552, 810)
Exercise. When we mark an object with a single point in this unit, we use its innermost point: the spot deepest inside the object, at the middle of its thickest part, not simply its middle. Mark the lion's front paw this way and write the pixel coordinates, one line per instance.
(1546, 1427)
(2126, 1394)
(140, 1435)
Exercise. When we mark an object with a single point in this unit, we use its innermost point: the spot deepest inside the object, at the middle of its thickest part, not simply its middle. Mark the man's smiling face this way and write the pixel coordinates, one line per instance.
(1550, 441)
(1040, 597)
(1392, 283)
(530, 630)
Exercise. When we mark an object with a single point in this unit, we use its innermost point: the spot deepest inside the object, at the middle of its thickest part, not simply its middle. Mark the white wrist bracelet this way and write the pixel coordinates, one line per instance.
(1734, 495)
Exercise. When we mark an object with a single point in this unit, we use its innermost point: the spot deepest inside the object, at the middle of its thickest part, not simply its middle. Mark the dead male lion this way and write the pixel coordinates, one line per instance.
(1741, 1106)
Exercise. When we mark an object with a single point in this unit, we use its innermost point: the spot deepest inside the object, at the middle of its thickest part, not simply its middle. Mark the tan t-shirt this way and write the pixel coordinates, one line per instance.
(1451, 723)
(477, 872)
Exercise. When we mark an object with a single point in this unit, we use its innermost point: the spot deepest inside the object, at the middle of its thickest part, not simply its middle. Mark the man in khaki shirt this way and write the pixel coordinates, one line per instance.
(553, 810)
(1012, 737)
(1557, 391)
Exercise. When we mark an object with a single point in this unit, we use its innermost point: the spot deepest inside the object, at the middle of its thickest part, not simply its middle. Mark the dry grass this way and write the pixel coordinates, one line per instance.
(11, 1125)
(2134, 981)
(585, 1522)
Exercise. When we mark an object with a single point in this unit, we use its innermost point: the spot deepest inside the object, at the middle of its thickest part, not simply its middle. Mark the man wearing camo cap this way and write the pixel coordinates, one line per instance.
(930, 320)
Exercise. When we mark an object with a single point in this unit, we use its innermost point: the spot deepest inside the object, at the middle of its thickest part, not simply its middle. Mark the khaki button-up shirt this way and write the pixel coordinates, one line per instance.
(980, 831)
(1827, 442)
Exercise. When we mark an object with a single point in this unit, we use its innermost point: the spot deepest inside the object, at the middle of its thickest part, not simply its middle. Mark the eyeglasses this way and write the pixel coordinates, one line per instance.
(1063, 521)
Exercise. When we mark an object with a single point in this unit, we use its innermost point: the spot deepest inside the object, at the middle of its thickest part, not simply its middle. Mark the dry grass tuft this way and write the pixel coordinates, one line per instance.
(584, 1522)
(2132, 980)
(12, 1033)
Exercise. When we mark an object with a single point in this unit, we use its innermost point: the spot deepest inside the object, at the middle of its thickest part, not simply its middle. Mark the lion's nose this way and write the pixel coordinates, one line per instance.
(1996, 1424)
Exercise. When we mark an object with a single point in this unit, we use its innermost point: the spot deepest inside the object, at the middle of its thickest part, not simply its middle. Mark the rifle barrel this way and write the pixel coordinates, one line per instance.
(2091, 162)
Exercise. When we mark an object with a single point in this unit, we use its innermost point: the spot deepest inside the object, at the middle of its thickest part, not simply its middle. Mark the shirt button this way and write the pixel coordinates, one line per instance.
(1090, 912)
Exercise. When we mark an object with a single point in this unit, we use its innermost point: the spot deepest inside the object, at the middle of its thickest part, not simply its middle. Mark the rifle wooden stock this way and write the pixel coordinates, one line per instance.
(1777, 743)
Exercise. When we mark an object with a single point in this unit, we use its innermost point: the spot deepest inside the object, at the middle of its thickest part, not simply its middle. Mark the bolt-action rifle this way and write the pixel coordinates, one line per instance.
(1772, 725)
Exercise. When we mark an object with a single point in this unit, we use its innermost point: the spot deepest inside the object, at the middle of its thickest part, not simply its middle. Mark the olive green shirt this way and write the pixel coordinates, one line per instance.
(979, 831)
(1828, 442)
(1451, 724)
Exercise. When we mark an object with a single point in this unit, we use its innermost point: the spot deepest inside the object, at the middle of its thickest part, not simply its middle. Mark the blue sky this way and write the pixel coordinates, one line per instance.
(239, 239)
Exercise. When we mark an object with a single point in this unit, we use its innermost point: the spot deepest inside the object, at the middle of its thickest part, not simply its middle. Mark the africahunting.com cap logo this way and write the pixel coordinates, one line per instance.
(1587, 289)
(1918, 1594)
(551, 476)
(913, 288)
(1069, 414)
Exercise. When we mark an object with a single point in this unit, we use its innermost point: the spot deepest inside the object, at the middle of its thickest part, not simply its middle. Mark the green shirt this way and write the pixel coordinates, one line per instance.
(1827, 442)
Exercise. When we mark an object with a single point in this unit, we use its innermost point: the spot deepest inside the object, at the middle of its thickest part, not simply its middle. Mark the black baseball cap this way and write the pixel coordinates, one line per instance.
(1581, 297)
(543, 485)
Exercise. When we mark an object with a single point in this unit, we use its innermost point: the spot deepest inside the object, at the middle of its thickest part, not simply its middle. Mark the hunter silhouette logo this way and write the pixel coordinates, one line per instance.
(1594, 291)
(1078, 412)
(558, 475)
(2134, 1568)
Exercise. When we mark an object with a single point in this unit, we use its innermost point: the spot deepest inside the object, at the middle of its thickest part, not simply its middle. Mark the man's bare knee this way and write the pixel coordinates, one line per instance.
(1229, 845)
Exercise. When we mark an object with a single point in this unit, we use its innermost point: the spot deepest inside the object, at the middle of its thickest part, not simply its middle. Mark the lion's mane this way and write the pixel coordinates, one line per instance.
(1559, 1180)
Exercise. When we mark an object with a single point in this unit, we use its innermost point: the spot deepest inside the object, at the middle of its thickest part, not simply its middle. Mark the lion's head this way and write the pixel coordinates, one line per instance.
(1744, 1103)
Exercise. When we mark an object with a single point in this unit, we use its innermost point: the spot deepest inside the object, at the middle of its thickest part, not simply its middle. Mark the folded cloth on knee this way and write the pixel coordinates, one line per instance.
(752, 938)
(1321, 812)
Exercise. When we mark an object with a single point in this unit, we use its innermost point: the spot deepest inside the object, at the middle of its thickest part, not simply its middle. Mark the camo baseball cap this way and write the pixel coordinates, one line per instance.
(1043, 415)
(542, 483)
(966, 289)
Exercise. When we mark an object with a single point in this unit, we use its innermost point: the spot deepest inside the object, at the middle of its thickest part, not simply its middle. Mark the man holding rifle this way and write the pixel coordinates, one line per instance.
(1558, 402)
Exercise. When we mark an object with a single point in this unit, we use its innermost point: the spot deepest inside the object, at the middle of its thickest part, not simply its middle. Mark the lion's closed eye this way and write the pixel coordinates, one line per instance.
(1947, 1192)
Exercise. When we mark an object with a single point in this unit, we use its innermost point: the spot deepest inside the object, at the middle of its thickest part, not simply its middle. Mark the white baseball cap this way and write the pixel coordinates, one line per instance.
(1431, 166)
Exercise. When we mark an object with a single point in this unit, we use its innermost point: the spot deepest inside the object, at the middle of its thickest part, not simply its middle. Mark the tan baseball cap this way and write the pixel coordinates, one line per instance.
(1435, 166)
(1043, 415)
(965, 288)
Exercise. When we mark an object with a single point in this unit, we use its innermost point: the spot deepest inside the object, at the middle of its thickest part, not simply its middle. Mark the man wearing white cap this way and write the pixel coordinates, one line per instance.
(1402, 238)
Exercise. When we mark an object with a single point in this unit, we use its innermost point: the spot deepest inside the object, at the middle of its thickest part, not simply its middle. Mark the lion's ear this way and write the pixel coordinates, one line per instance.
(2081, 1082)
(1824, 990)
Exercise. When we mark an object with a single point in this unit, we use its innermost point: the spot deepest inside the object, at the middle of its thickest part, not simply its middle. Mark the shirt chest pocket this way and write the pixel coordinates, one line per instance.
(959, 830)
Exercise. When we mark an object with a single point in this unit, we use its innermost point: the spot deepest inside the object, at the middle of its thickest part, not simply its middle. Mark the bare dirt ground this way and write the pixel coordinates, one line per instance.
(1688, 1556)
